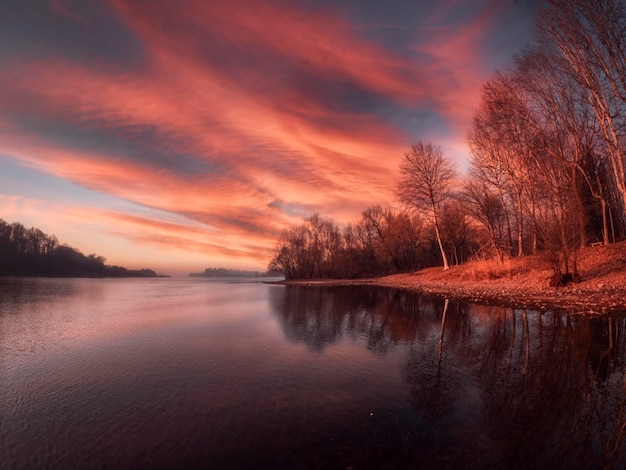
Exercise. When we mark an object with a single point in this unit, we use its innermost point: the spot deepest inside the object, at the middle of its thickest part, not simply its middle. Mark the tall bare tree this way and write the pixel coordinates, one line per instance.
(591, 36)
(424, 184)
(487, 170)
(502, 124)
(569, 132)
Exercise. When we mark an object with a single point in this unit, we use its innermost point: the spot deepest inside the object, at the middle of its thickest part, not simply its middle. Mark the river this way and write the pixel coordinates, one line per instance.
(201, 373)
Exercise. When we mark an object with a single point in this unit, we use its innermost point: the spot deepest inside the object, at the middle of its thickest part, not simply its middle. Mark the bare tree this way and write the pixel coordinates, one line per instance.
(484, 206)
(424, 185)
(569, 132)
(591, 36)
(487, 170)
(395, 236)
(456, 229)
(501, 131)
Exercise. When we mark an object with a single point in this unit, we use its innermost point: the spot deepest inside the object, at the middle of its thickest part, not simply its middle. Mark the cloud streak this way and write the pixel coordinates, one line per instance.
(239, 117)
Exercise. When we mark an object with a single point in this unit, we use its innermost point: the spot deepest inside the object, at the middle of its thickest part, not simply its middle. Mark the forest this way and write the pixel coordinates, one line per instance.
(31, 252)
(546, 174)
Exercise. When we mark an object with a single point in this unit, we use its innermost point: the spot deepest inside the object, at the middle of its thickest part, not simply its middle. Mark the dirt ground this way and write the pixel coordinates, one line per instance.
(524, 284)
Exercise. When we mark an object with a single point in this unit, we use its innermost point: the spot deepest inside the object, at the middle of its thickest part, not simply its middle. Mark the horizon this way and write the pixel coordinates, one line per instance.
(177, 137)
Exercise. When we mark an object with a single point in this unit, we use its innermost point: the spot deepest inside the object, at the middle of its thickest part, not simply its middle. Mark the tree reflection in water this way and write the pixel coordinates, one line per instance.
(321, 316)
(494, 385)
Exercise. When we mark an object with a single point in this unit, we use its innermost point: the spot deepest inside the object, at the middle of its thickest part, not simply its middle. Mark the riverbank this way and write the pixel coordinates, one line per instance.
(520, 282)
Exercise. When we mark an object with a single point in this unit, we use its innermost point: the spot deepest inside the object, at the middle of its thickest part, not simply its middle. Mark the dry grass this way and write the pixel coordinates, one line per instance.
(594, 263)
(525, 281)
(604, 264)
(482, 268)
(486, 269)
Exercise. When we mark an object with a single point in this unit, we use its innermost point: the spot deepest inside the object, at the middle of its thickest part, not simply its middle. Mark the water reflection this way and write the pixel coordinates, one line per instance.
(178, 373)
(321, 316)
(495, 385)
(553, 388)
(21, 293)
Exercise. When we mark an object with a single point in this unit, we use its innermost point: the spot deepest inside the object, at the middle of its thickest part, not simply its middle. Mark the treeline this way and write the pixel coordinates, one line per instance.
(225, 272)
(31, 252)
(547, 171)
(382, 241)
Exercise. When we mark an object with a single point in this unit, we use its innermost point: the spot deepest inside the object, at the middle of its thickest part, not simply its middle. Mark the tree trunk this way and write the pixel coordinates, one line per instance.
(508, 220)
(605, 223)
(580, 208)
(534, 220)
(520, 225)
(446, 266)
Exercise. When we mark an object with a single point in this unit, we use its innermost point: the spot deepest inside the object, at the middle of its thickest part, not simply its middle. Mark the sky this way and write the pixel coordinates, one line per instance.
(181, 135)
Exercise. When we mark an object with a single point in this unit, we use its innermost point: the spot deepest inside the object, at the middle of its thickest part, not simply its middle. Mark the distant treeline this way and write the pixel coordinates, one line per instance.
(223, 272)
(31, 252)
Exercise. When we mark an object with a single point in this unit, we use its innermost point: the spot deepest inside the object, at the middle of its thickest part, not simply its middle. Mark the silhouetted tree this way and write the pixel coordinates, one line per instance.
(31, 252)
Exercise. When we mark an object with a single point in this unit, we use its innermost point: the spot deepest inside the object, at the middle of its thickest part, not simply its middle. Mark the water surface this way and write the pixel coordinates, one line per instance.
(197, 373)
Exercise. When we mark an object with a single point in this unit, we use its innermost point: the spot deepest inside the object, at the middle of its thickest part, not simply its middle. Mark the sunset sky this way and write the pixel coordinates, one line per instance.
(180, 135)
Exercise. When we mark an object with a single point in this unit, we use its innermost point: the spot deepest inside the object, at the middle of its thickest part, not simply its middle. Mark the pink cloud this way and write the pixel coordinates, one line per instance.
(245, 92)
(319, 40)
(127, 102)
(457, 61)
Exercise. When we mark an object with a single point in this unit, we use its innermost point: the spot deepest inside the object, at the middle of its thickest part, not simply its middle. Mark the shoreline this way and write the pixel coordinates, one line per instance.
(573, 299)
(601, 293)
